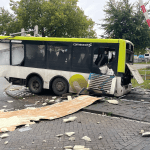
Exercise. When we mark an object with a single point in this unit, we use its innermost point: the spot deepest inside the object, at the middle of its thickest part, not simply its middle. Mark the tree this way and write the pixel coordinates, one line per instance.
(126, 21)
(55, 18)
(8, 23)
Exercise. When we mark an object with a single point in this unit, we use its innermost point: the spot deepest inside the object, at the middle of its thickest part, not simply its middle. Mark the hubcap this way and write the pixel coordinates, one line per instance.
(36, 85)
(60, 86)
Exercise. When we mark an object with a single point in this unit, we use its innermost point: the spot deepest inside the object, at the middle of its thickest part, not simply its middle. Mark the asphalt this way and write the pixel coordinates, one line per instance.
(118, 125)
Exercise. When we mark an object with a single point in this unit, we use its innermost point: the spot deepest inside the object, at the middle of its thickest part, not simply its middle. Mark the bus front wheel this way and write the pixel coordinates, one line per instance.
(35, 85)
(59, 86)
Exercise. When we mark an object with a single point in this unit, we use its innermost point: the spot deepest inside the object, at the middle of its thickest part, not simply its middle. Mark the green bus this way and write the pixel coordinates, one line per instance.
(68, 64)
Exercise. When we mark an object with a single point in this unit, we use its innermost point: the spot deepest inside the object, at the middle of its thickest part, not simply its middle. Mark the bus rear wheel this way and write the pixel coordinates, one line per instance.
(35, 85)
(59, 86)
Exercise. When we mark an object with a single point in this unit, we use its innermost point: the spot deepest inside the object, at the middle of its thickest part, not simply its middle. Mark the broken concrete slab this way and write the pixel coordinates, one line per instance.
(44, 104)
(12, 119)
(4, 130)
(72, 139)
(113, 102)
(70, 119)
(6, 142)
(78, 147)
(10, 101)
(59, 135)
(4, 135)
(69, 133)
(146, 134)
(86, 138)
(68, 147)
(69, 98)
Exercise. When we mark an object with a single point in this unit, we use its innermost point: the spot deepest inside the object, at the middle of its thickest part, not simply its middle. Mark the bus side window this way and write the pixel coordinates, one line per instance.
(17, 54)
(35, 56)
(4, 54)
(59, 57)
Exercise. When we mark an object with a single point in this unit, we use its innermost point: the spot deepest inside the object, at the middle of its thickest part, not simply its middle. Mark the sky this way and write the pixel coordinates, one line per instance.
(91, 8)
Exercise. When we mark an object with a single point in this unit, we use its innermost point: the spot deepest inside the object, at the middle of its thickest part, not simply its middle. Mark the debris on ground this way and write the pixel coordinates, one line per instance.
(86, 138)
(98, 122)
(44, 141)
(69, 133)
(54, 97)
(142, 131)
(5, 106)
(142, 100)
(10, 101)
(146, 134)
(36, 102)
(100, 137)
(68, 147)
(113, 102)
(4, 130)
(6, 142)
(2, 110)
(58, 100)
(25, 129)
(77, 147)
(44, 104)
(69, 98)
(70, 119)
(4, 135)
(51, 101)
(12, 119)
(59, 135)
(72, 139)
(14, 89)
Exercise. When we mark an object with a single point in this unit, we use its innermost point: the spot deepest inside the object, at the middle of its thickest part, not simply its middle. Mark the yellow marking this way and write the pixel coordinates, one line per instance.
(86, 40)
(122, 56)
(81, 81)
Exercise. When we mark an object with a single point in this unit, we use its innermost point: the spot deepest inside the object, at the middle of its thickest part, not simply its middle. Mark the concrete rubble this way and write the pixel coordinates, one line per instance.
(69, 133)
(113, 102)
(69, 98)
(68, 147)
(70, 119)
(4, 130)
(6, 142)
(10, 101)
(72, 139)
(59, 135)
(146, 134)
(100, 137)
(12, 119)
(86, 138)
(4, 135)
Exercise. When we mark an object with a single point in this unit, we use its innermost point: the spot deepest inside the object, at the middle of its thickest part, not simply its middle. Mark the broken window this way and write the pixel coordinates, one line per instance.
(4, 54)
(35, 56)
(59, 56)
(17, 54)
(103, 56)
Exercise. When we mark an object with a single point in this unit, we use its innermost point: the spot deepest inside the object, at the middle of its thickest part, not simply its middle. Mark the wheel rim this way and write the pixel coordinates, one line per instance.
(60, 86)
(36, 85)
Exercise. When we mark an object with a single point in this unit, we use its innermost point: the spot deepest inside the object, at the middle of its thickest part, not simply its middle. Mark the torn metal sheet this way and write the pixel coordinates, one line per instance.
(12, 119)
(135, 73)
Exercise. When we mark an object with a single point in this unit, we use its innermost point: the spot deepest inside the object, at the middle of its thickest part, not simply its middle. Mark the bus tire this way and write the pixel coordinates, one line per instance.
(35, 85)
(59, 86)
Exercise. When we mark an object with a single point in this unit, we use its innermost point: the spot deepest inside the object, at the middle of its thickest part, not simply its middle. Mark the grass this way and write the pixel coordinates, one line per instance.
(145, 85)
(142, 63)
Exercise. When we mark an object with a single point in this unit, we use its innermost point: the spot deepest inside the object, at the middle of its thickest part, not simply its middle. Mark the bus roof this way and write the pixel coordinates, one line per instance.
(63, 39)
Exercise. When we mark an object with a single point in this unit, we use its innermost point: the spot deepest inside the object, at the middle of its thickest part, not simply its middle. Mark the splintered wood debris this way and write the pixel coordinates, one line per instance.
(12, 119)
